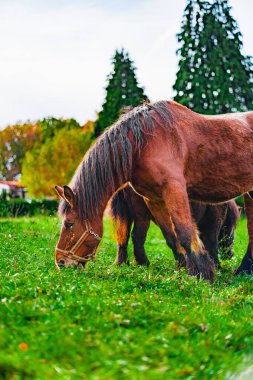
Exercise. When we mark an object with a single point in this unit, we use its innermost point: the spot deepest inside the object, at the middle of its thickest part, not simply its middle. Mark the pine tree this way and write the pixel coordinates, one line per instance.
(122, 90)
(214, 76)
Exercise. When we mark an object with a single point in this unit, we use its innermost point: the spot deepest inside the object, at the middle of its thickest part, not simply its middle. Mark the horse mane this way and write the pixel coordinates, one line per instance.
(108, 163)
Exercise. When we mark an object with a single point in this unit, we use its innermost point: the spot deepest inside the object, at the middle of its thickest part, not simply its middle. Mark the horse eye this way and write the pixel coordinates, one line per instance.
(68, 226)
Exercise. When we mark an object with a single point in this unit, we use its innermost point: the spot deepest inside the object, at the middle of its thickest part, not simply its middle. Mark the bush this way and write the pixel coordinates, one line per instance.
(21, 207)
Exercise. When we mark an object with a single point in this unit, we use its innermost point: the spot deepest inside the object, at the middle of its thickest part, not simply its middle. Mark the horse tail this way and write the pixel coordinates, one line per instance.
(233, 213)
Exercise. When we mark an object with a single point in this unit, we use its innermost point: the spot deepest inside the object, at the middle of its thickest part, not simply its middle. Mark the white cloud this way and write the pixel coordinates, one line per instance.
(55, 55)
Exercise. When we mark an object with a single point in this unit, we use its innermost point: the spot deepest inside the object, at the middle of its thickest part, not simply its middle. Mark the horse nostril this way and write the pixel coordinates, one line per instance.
(61, 262)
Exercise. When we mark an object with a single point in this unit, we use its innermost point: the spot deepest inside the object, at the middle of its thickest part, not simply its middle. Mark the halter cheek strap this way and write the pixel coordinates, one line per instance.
(72, 252)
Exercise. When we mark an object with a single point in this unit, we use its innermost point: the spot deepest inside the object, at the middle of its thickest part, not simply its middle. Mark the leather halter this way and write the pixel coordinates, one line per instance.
(71, 253)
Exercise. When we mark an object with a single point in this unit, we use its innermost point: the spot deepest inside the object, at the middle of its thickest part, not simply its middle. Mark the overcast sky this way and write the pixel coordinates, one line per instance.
(55, 54)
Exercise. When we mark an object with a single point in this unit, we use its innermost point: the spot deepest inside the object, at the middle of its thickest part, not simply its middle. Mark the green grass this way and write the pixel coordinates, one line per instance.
(118, 323)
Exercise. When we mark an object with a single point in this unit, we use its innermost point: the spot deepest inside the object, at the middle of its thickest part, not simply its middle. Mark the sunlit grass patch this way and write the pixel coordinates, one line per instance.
(109, 322)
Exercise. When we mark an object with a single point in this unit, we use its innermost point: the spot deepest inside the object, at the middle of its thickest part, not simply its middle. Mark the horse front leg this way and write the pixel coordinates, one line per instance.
(163, 221)
(246, 266)
(178, 215)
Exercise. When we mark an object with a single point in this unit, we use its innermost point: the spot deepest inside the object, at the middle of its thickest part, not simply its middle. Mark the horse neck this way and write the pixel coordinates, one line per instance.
(96, 221)
(106, 168)
(97, 202)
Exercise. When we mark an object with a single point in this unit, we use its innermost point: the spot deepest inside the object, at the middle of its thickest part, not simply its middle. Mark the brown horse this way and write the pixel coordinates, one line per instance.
(170, 155)
(216, 224)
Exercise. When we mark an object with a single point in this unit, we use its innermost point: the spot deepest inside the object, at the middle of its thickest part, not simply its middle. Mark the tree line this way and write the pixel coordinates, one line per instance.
(43, 153)
(213, 77)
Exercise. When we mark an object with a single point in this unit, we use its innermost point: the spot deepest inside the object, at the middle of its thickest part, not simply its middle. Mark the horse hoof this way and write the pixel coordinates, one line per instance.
(121, 262)
(143, 263)
(246, 267)
(242, 270)
(201, 265)
(181, 261)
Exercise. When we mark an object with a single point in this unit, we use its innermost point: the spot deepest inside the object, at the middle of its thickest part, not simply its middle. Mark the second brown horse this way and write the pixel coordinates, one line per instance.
(216, 224)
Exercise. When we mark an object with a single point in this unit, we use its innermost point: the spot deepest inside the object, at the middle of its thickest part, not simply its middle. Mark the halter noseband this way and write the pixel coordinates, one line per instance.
(71, 252)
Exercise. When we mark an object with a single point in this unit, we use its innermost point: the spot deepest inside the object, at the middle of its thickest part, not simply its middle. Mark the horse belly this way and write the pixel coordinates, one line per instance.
(220, 181)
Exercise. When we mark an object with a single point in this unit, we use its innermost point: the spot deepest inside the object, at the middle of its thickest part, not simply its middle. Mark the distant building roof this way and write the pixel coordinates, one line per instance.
(12, 184)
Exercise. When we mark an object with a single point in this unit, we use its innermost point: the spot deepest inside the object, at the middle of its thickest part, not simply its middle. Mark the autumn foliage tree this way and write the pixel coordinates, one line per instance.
(43, 153)
(54, 161)
(15, 141)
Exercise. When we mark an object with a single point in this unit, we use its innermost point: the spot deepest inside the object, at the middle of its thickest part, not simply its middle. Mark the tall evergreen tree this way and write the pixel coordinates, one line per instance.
(122, 90)
(214, 76)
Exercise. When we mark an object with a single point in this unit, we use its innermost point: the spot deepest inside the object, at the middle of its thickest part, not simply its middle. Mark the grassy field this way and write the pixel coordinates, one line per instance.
(118, 323)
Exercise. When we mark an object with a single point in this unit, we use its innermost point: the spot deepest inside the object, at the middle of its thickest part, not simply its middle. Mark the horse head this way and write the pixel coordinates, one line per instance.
(78, 240)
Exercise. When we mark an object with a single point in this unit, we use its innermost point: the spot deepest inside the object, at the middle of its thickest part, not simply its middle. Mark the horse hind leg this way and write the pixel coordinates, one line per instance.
(246, 266)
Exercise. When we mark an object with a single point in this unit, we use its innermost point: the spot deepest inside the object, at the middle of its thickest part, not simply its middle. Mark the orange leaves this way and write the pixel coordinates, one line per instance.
(15, 141)
(54, 161)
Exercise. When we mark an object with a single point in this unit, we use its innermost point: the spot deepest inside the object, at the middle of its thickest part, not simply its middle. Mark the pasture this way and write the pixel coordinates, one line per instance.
(118, 323)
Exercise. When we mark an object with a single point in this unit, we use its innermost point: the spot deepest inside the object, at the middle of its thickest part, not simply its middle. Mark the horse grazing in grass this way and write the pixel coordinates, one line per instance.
(170, 155)
(216, 224)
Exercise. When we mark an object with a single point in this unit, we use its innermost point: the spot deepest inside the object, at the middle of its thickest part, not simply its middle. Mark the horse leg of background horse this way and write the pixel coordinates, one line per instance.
(139, 234)
(122, 235)
(247, 262)
(210, 240)
(211, 244)
(176, 200)
(210, 229)
(226, 241)
(226, 236)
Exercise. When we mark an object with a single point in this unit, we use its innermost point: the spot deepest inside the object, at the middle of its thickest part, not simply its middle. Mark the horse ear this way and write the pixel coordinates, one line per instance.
(59, 191)
(69, 196)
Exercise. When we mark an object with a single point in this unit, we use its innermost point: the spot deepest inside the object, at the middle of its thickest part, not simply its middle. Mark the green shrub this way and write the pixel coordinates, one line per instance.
(22, 207)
